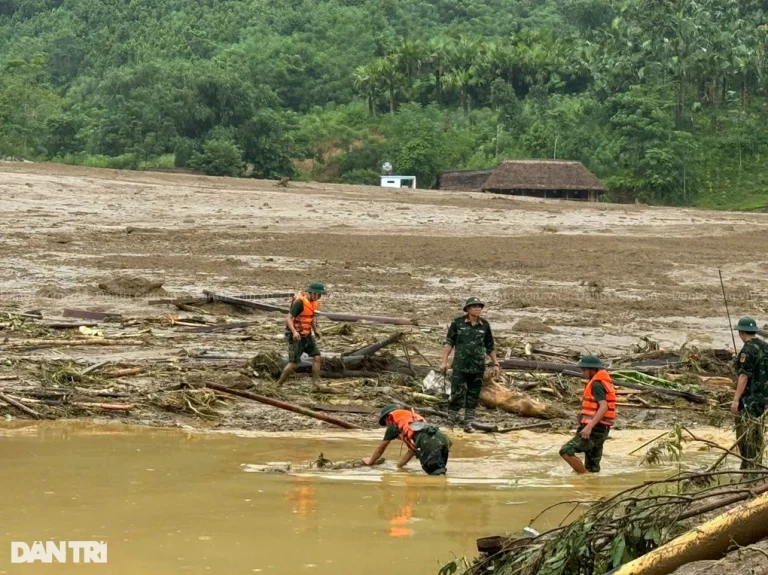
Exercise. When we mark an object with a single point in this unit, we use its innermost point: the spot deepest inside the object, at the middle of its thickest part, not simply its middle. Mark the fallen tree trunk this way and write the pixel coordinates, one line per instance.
(20, 406)
(282, 405)
(495, 396)
(741, 526)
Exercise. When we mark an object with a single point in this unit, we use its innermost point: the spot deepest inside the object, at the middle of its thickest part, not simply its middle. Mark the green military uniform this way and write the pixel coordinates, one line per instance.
(471, 344)
(305, 344)
(432, 445)
(752, 361)
(592, 448)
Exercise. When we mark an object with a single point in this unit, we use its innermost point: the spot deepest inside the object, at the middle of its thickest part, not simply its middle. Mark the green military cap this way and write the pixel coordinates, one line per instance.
(385, 411)
(747, 325)
(316, 287)
(473, 301)
(590, 362)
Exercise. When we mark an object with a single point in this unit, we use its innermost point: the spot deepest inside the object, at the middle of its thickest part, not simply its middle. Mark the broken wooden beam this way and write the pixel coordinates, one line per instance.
(283, 405)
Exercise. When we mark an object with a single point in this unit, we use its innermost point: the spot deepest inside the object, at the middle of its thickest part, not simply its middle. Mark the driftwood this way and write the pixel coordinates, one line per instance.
(282, 405)
(370, 350)
(85, 314)
(105, 406)
(69, 325)
(20, 406)
(217, 328)
(741, 526)
(330, 316)
(71, 342)
(93, 367)
(271, 295)
(495, 396)
(124, 372)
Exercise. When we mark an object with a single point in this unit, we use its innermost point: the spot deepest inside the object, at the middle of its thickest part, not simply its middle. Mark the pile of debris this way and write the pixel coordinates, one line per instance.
(650, 529)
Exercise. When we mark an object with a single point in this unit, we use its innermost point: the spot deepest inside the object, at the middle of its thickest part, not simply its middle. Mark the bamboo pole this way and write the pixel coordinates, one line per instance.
(741, 526)
(282, 405)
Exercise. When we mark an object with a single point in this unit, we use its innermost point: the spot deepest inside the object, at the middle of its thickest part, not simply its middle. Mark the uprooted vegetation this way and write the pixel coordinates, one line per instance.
(605, 534)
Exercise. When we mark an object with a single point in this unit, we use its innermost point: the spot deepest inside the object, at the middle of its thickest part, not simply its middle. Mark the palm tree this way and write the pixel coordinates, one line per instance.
(367, 85)
(437, 55)
(386, 70)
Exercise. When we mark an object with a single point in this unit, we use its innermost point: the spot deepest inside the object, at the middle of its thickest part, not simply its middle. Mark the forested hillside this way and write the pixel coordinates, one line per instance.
(666, 100)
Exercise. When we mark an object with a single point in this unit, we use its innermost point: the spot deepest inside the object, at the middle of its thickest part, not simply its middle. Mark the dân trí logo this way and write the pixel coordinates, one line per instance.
(59, 552)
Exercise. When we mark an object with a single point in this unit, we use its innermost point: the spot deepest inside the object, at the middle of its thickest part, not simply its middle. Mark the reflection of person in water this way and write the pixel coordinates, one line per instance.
(303, 498)
(424, 441)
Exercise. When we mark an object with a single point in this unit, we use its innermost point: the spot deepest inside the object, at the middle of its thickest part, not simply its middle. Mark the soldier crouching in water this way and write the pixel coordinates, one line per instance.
(425, 441)
(598, 412)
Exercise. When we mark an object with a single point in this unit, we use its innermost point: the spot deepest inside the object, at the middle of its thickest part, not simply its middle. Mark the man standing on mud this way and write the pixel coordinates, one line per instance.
(598, 412)
(471, 336)
(425, 441)
(301, 324)
(751, 397)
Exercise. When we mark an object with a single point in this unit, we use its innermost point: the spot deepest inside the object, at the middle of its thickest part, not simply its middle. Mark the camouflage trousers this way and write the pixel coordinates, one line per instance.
(751, 438)
(465, 392)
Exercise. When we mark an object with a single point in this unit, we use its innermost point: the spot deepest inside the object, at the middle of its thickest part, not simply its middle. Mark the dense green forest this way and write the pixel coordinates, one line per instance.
(665, 100)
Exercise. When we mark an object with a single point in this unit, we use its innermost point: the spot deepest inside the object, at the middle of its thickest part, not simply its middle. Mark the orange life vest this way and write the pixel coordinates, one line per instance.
(589, 405)
(403, 419)
(303, 321)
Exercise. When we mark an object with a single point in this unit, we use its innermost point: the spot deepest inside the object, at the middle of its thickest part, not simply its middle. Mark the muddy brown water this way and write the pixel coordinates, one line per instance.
(170, 502)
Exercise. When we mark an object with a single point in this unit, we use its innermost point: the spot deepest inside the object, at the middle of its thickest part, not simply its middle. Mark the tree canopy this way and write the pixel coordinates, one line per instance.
(665, 100)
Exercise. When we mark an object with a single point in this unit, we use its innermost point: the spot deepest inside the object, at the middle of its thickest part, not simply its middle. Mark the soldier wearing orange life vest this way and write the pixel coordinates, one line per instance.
(598, 412)
(424, 441)
(301, 331)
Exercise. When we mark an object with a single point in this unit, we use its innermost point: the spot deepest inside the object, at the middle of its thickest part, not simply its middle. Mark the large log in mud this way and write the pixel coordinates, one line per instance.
(495, 396)
(741, 526)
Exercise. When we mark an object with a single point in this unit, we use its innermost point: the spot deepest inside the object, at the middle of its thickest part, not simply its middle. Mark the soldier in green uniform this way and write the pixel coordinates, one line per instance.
(471, 337)
(751, 397)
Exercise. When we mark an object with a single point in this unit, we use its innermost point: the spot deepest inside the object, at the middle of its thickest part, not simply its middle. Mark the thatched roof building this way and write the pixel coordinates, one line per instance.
(537, 178)
(463, 180)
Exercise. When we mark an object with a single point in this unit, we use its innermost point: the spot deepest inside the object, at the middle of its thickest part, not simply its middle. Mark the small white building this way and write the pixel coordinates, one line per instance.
(398, 182)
